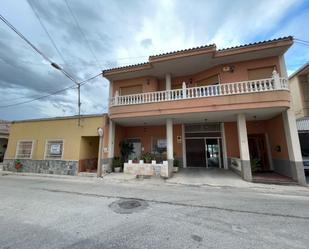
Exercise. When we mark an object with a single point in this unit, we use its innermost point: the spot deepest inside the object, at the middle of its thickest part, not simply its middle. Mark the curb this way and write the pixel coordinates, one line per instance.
(5, 173)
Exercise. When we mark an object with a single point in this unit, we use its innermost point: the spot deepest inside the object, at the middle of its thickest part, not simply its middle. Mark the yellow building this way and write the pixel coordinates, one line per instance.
(55, 145)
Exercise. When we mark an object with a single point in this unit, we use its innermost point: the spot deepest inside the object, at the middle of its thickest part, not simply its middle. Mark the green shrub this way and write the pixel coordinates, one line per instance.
(176, 163)
(148, 157)
(117, 162)
(255, 165)
(126, 149)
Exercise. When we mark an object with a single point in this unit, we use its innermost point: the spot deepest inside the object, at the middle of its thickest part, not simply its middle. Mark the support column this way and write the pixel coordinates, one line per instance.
(184, 153)
(110, 93)
(244, 148)
(291, 135)
(282, 65)
(224, 152)
(169, 147)
(111, 145)
(168, 81)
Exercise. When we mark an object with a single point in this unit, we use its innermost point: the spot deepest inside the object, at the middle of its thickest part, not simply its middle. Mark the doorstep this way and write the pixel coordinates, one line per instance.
(272, 178)
(87, 174)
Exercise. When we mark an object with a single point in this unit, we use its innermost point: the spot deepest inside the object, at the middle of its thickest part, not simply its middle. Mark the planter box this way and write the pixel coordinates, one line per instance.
(146, 169)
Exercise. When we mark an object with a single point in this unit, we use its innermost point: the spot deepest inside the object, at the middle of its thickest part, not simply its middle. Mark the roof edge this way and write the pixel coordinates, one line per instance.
(59, 118)
(188, 52)
(298, 71)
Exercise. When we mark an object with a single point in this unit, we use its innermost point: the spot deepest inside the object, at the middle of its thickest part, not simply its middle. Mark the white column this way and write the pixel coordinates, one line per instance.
(284, 72)
(168, 81)
(224, 152)
(111, 143)
(169, 140)
(99, 166)
(110, 93)
(291, 135)
(184, 155)
(244, 147)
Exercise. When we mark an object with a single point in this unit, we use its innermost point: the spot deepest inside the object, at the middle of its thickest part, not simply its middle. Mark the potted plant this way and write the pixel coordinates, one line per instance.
(18, 165)
(117, 164)
(176, 165)
(148, 157)
(255, 165)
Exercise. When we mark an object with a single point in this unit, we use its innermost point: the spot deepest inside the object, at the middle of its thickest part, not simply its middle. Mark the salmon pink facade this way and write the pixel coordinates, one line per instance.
(205, 107)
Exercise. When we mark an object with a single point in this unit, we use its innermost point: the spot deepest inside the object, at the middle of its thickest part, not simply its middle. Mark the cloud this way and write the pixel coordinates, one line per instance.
(146, 43)
(123, 32)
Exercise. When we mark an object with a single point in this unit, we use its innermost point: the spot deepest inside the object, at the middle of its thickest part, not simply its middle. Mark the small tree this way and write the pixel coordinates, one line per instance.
(126, 149)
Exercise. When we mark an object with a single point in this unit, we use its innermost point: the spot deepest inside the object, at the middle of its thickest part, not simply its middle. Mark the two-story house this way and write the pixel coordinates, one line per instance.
(299, 87)
(209, 107)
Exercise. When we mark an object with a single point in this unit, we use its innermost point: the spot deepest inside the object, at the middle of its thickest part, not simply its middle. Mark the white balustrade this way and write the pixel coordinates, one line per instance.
(243, 87)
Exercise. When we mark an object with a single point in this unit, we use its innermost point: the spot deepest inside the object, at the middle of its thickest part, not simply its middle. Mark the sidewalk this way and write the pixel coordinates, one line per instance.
(227, 181)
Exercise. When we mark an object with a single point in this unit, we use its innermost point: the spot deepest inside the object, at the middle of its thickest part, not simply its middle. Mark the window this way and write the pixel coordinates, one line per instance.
(128, 90)
(260, 73)
(54, 149)
(177, 86)
(158, 145)
(24, 149)
(213, 80)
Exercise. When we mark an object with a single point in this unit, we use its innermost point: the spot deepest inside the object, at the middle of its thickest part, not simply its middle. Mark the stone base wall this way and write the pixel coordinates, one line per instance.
(57, 167)
(146, 169)
(234, 165)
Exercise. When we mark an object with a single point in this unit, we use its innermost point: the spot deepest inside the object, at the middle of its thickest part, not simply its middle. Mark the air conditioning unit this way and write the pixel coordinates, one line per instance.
(226, 69)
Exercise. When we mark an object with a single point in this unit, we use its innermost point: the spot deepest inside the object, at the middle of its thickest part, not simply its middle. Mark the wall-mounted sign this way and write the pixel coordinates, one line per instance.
(55, 149)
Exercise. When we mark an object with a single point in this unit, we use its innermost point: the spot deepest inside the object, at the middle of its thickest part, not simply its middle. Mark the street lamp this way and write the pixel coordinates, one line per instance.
(100, 132)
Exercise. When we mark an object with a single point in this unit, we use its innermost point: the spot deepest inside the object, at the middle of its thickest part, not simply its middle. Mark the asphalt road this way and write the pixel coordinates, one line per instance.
(38, 212)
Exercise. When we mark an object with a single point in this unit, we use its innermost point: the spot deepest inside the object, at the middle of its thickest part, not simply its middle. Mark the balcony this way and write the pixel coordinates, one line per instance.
(262, 93)
(243, 87)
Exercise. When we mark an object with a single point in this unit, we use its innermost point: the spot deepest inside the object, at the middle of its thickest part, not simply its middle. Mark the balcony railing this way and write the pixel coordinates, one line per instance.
(243, 87)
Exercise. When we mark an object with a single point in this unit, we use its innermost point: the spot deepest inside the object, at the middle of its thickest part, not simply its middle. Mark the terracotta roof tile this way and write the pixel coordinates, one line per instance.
(184, 50)
(258, 43)
(124, 67)
(197, 48)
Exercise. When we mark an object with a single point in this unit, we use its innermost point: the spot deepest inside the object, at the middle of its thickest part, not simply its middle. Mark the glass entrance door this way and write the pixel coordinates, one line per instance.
(213, 152)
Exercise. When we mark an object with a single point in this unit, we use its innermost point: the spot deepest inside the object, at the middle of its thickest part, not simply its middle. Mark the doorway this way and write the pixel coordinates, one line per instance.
(3, 146)
(204, 152)
(88, 155)
(258, 151)
(213, 152)
(137, 148)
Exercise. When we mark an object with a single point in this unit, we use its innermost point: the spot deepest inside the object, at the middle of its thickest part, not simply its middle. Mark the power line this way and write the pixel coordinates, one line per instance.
(53, 93)
(44, 96)
(303, 44)
(82, 32)
(24, 38)
(53, 64)
(301, 40)
(46, 31)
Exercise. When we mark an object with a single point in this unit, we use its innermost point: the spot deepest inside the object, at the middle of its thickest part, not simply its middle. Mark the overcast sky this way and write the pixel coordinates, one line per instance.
(120, 32)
